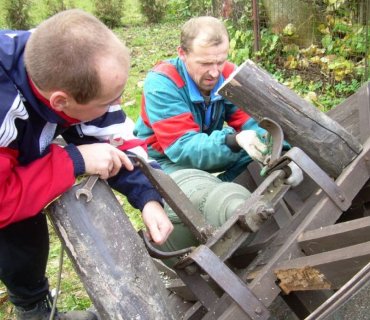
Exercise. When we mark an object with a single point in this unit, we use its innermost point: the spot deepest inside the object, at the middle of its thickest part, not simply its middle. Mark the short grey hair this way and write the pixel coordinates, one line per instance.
(214, 30)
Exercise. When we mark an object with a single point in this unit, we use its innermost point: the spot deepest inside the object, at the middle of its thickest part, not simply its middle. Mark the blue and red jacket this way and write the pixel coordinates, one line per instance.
(33, 170)
(180, 129)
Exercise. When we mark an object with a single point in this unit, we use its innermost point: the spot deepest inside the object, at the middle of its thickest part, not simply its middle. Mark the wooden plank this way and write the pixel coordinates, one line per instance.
(327, 270)
(354, 113)
(335, 236)
(302, 279)
(177, 286)
(320, 137)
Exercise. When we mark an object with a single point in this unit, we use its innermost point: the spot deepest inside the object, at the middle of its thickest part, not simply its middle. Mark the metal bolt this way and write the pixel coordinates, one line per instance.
(262, 215)
(191, 269)
(264, 212)
(269, 211)
(258, 310)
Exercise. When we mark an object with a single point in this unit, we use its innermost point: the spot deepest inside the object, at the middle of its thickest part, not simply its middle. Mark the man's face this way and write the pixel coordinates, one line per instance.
(113, 78)
(205, 64)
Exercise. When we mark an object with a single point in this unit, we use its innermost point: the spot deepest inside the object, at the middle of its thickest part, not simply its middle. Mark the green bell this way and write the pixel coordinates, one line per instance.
(213, 198)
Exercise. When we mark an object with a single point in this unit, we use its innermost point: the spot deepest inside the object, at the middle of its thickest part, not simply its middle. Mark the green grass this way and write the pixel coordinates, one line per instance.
(148, 44)
(143, 42)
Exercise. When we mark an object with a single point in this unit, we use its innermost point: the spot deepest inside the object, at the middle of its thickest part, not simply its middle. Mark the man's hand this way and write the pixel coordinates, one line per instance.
(104, 159)
(251, 143)
(158, 224)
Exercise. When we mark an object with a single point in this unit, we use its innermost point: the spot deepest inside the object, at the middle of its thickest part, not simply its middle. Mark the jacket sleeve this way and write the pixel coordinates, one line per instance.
(27, 186)
(177, 132)
(116, 127)
(26, 190)
(235, 117)
(240, 120)
(136, 186)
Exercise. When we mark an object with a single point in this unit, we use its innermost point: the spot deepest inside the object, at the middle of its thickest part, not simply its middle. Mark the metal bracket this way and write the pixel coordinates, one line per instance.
(277, 135)
(176, 199)
(229, 282)
(318, 175)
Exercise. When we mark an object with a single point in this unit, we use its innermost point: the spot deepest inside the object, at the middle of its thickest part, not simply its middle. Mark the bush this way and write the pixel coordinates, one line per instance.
(17, 14)
(55, 6)
(109, 12)
(153, 10)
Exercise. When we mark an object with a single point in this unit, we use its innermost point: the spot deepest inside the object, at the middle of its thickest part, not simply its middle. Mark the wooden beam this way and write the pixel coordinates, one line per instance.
(320, 137)
(327, 270)
(109, 256)
(177, 286)
(335, 236)
(354, 113)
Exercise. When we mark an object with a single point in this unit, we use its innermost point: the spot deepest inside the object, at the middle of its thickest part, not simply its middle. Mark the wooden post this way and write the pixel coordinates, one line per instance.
(109, 256)
(321, 138)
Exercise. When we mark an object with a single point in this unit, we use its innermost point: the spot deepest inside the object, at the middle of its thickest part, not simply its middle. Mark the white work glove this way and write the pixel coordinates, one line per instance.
(296, 177)
(251, 143)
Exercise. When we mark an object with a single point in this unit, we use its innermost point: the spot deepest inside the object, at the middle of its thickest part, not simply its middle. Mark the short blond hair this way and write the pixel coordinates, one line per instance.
(62, 54)
(214, 30)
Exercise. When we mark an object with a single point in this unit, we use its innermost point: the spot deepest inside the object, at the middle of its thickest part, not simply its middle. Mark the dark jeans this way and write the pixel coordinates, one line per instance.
(24, 249)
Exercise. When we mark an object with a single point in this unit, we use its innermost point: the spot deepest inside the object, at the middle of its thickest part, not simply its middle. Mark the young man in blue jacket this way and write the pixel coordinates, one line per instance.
(184, 122)
(65, 78)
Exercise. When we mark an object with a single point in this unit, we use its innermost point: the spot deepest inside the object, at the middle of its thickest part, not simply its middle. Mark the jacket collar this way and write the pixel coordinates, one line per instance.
(46, 102)
(194, 93)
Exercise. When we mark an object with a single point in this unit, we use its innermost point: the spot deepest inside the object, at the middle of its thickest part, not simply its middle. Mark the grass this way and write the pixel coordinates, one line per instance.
(148, 44)
(143, 42)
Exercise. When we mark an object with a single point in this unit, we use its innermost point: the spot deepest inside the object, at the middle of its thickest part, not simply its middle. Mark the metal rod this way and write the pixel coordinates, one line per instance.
(342, 295)
(256, 25)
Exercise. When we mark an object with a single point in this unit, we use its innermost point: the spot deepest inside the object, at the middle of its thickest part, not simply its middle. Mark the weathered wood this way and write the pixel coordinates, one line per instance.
(109, 256)
(323, 139)
(327, 270)
(335, 236)
(300, 279)
(354, 113)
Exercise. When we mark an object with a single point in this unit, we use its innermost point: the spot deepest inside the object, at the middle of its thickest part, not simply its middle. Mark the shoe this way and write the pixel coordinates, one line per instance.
(42, 311)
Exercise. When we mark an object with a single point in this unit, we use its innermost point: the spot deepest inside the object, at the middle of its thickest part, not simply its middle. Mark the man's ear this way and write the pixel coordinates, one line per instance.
(181, 53)
(59, 100)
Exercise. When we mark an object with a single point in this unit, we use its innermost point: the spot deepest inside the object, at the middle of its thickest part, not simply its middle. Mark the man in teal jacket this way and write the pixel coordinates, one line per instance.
(182, 117)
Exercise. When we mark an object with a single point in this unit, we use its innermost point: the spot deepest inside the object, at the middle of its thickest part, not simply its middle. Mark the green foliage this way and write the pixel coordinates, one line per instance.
(55, 6)
(200, 7)
(109, 12)
(337, 68)
(179, 8)
(153, 10)
(241, 45)
(17, 14)
(189, 8)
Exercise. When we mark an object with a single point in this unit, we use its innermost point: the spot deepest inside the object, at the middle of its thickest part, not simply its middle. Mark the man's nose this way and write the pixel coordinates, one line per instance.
(214, 71)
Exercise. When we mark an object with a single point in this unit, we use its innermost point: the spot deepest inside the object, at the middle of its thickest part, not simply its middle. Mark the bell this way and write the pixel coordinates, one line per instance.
(213, 198)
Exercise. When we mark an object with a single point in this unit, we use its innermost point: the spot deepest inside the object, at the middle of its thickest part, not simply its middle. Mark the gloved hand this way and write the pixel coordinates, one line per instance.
(296, 176)
(252, 144)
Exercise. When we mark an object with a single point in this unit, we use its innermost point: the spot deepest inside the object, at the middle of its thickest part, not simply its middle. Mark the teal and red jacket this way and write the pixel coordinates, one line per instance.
(181, 131)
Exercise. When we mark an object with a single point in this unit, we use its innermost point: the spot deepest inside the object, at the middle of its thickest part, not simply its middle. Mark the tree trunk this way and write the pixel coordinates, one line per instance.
(304, 126)
(109, 256)
(301, 14)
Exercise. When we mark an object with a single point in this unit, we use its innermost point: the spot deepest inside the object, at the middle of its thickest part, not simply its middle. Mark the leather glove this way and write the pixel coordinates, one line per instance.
(296, 176)
(252, 144)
